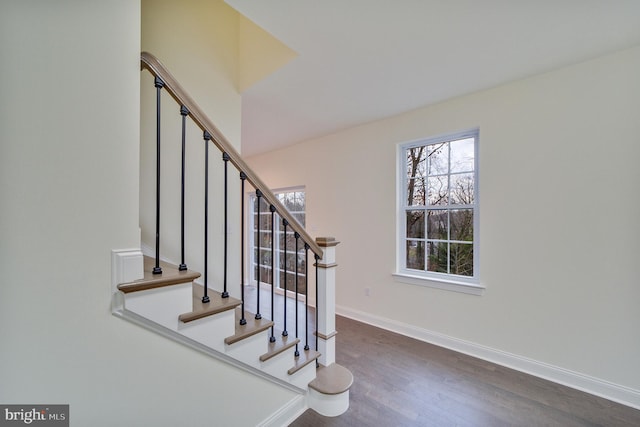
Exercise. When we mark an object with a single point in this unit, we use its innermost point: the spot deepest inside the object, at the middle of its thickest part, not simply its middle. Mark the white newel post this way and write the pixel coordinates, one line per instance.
(326, 303)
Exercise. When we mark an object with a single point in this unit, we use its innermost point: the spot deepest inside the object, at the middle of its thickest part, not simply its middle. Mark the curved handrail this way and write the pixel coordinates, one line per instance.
(155, 67)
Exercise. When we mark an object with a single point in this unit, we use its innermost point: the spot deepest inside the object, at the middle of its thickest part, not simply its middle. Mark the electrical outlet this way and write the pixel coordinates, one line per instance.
(367, 292)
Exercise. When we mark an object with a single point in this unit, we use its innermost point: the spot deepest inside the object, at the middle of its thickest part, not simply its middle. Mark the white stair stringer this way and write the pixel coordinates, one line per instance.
(158, 309)
(172, 333)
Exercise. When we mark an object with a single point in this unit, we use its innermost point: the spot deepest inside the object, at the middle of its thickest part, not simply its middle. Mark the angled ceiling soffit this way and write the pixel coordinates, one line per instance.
(259, 53)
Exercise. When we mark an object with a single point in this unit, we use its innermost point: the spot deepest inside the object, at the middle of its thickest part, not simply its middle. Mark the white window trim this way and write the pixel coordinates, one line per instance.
(469, 285)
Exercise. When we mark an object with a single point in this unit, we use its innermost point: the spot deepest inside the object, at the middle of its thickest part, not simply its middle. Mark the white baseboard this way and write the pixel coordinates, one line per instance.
(286, 414)
(598, 387)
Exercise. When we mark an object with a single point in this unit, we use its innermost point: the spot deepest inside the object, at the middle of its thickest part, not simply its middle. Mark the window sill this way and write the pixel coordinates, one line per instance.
(447, 285)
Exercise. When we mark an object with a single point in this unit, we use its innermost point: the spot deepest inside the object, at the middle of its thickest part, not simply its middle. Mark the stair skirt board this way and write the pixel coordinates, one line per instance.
(163, 305)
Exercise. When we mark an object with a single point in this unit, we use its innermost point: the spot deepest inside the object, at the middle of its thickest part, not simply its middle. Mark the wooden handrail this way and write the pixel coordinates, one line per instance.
(155, 67)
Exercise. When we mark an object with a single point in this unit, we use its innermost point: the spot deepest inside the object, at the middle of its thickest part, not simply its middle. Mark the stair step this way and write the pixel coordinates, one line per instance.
(170, 276)
(253, 326)
(332, 379)
(280, 345)
(216, 304)
(306, 357)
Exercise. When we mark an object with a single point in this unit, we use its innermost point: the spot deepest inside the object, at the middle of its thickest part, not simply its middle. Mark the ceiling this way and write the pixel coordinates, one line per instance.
(363, 60)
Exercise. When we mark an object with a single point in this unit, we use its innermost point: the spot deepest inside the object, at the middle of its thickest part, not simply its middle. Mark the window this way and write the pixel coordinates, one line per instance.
(438, 220)
(294, 201)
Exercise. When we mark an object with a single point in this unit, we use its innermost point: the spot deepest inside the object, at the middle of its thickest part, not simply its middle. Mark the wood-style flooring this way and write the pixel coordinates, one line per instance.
(401, 381)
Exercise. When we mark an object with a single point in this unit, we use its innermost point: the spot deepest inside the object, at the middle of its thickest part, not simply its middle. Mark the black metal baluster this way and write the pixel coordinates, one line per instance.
(183, 112)
(317, 258)
(306, 292)
(159, 84)
(243, 178)
(297, 236)
(284, 238)
(225, 158)
(259, 260)
(207, 138)
(272, 208)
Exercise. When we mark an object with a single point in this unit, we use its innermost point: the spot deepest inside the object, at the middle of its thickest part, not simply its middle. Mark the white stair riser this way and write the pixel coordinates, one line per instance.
(249, 349)
(304, 376)
(279, 365)
(161, 305)
(211, 330)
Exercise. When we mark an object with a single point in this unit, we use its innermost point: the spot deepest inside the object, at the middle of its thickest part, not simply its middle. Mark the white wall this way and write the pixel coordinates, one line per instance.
(559, 209)
(69, 168)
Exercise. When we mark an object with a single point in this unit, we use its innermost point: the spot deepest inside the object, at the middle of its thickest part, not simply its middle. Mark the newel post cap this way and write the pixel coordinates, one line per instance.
(327, 242)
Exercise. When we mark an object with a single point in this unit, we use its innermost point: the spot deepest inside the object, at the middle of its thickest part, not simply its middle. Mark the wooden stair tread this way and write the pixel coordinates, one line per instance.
(332, 379)
(253, 326)
(217, 304)
(280, 345)
(170, 276)
(306, 357)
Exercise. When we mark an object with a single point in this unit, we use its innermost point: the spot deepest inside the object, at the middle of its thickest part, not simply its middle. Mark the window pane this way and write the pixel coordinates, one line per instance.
(416, 192)
(462, 259)
(300, 201)
(416, 162)
(462, 224)
(437, 257)
(265, 221)
(300, 218)
(462, 154)
(301, 262)
(415, 224)
(440, 204)
(462, 187)
(438, 190)
(415, 255)
(265, 257)
(437, 224)
(438, 158)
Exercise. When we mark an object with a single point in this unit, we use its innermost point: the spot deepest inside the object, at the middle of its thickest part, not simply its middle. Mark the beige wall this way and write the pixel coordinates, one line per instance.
(198, 42)
(69, 168)
(559, 209)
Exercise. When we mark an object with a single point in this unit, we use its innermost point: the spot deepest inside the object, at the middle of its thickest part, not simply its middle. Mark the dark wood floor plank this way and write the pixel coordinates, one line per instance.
(400, 381)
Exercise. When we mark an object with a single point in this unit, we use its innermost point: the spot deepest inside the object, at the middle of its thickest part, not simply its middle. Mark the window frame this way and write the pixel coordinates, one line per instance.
(459, 283)
(251, 243)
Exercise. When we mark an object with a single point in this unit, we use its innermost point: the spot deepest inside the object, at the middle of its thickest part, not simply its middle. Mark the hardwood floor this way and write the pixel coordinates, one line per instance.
(401, 382)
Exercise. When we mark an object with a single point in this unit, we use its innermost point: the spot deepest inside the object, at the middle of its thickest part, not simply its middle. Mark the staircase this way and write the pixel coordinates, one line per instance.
(182, 305)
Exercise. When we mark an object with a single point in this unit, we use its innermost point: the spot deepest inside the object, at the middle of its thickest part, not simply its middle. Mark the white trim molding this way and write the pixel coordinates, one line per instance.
(598, 387)
(432, 282)
(127, 265)
(287, 413)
